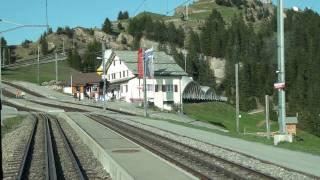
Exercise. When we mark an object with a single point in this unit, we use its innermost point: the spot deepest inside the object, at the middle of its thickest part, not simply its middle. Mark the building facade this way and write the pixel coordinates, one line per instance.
(167, 90)
(163, 91)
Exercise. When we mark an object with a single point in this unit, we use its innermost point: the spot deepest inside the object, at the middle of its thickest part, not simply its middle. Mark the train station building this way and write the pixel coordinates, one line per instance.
(167, 90)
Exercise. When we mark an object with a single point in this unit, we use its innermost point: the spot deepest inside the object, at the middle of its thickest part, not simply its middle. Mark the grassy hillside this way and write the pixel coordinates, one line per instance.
(224, 115)
(202, 10)
(47, 72)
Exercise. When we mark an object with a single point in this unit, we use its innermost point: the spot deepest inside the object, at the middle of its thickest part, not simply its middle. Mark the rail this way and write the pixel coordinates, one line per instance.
(207, 165)
(27, 150)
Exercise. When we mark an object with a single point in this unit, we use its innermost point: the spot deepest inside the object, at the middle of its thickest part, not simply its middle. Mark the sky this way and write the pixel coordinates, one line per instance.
(85, 13)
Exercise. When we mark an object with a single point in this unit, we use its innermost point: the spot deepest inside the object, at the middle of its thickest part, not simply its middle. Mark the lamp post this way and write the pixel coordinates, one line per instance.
(18, 26)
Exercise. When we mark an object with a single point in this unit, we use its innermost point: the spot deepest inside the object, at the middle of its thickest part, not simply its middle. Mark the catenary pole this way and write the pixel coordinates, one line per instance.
(56, 60)
(267, 116)
(38, 66)
(237, 95)
(1, 170)
(145, 87)
(104, 75)
(281, 68)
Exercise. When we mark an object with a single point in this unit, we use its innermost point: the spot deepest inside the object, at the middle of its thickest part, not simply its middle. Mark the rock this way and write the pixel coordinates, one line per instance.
(125, 36)
(44, 83)
(52, 82)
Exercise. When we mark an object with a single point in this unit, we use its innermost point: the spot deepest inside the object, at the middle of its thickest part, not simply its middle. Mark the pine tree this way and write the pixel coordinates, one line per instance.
(107, 26)
(125, 15)
(120, 15)
(44, 45)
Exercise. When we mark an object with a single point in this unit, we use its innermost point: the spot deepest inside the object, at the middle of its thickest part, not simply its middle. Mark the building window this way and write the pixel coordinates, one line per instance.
(120, 74)
(156, 88)
(126, 88)
(164, 88)
(175, 88)
(150, 87)
(127, 73)
(124, 73)
(114, 63)
(169, 88)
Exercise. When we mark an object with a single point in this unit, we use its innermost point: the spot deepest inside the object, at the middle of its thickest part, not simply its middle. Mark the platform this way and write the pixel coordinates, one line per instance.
(299, 161)
(122, 158)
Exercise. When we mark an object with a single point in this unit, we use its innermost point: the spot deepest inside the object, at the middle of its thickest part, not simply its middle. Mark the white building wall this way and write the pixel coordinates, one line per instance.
(118, 70)
(161, 99)
(132, 90)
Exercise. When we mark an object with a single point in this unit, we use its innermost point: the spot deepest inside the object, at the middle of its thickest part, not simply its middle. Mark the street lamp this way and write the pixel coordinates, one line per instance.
(18, 26)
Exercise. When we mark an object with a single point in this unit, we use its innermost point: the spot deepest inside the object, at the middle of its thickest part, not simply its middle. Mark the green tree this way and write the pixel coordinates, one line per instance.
(120, 15)
(90, 63)
(44, 45)
(213, 36)
(107, 26)
(125, 15)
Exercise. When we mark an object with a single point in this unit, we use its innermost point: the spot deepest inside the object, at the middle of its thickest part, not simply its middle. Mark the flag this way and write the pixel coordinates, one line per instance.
(140, 63)
(148, 61)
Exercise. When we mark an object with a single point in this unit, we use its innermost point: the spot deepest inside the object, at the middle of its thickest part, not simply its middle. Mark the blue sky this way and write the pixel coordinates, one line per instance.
(86, 13)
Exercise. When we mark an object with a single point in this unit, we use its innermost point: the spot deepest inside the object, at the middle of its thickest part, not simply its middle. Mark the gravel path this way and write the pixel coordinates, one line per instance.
(273, 170)
(91, 166)
(12, 144)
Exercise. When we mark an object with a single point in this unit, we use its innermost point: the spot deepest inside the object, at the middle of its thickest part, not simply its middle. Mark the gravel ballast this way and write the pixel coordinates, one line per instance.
(91, 166)
(11, 143)
(251, 162)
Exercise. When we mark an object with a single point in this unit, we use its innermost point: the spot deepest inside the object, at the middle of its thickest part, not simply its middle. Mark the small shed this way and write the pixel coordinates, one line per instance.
(86, 84)
(291, 125)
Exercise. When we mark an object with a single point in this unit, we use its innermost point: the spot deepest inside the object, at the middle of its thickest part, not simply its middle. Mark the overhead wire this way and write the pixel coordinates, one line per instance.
(138, 8)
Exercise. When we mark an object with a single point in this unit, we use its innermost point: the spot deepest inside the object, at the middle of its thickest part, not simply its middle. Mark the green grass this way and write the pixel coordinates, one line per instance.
(224, 115)
(227, 12)
(47, 72)
(10, 124)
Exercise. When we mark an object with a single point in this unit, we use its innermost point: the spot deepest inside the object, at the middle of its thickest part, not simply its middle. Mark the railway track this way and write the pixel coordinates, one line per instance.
(15, 166)
(69, 167)
(40, 157)
(199, 163)
(23, 89)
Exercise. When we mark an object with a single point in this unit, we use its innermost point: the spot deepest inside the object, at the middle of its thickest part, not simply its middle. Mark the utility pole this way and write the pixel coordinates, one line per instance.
(185, 60)
(56, 60)
(38, 66)
(1, 170)
(181, 98)
(104, 74)
(281, 69)
(63, 51)
(237, 95)
(71, 84)
(145, 87)
(9, 55)
(267, 116)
